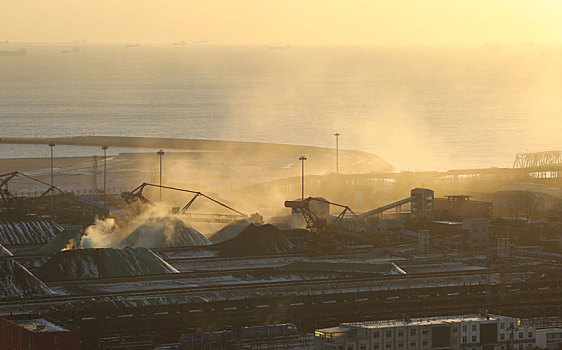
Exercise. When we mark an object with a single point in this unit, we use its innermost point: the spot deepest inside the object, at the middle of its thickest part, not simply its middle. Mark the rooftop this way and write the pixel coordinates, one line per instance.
(414, 322)
(39, 325)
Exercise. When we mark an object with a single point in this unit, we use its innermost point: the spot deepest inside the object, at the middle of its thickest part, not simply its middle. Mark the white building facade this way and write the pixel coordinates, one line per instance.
(451, 332)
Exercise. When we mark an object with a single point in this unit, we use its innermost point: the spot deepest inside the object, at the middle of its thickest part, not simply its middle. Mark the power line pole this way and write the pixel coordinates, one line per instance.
(337, 135)
(302, 159)
(52, 145)
(104, 148)
(160, 154)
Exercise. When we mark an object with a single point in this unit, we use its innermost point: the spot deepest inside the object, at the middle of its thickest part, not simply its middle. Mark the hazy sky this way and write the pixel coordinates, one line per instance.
(299, 22)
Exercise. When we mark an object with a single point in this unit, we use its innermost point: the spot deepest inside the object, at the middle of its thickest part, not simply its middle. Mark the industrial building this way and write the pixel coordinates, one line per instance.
(17, 333)
(450, 332)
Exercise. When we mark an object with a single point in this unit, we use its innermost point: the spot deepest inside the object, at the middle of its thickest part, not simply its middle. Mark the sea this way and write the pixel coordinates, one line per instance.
(417, 108)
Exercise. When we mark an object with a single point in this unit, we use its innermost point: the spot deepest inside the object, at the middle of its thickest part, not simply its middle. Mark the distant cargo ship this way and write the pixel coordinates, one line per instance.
(74, 50)
(20, 52)
(177, 43)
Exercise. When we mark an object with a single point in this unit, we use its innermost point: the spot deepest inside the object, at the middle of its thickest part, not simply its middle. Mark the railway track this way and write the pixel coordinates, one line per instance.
(240, 288)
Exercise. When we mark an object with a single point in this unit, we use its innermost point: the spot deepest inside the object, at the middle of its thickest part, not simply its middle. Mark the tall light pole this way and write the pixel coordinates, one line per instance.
(52, 145)
(337, 135)
(104, 148)
(302, 159)
(160, 154)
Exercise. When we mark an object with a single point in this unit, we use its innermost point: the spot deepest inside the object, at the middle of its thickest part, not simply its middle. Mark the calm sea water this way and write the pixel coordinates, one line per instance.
(416, 108)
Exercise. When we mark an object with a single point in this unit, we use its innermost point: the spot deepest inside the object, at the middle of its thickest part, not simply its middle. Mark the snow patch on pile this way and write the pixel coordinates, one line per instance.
(4, 251)
(17, 282)
(103, 263)
(28, 232)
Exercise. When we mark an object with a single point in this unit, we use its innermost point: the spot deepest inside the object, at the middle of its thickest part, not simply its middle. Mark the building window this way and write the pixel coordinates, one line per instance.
(454, 329)
(400, 345)
(375, 334)
(474, 328)
(388, 334)
(502, 336)
(413, 331)
(350, 347)
(464, 339)
(376, 346)
(413, 344)
(388, 346)
(474, 339)
(464, 328)
(400, 333)
(424, 332)
(530, 334)
(363, 347)
(424, 342)
(521, 335)
(502, 325)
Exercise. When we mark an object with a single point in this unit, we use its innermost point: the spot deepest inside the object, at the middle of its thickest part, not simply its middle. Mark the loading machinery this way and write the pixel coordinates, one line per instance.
(137, 195)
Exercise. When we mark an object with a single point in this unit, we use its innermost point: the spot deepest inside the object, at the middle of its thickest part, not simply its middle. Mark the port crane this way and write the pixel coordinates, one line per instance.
(137, 195)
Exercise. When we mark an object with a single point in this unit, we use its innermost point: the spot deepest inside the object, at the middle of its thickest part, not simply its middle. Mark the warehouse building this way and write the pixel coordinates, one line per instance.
(450, 332)
(20, 333)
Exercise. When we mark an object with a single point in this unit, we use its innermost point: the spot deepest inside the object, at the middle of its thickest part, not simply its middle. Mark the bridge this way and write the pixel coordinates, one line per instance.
(537, 159)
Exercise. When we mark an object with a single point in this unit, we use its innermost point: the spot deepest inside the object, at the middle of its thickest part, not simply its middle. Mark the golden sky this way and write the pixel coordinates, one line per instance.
(299, 22)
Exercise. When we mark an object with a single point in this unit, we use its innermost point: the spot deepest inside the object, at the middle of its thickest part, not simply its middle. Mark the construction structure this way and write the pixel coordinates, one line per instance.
(421, 205)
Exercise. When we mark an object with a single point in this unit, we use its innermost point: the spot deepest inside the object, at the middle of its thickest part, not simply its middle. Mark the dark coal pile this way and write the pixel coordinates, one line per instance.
(231, 230)
(28, 232)
(103, 263)
(4, 251)
(256, 240)
(17, 282)
(164, 232)
(69, 239)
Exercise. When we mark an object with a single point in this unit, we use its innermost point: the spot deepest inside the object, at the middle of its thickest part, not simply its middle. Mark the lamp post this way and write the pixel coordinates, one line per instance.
(302, 159)
(160, 154)
(52, 145)
(337, 135)
(104, 148)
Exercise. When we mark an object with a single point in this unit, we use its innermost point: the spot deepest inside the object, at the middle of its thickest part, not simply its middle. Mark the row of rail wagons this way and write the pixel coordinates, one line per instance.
(270, 331)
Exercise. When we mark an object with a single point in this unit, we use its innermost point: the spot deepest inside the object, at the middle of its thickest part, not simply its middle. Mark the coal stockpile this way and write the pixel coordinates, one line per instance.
(103, 263)
(17, 282)
(164, 232)
(256, 240)
(67, 239)
(231, 230)
(28, 232)
(4, 251)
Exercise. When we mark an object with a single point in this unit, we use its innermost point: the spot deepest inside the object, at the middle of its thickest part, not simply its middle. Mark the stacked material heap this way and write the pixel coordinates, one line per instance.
(28, 232)
(342, 265)
(164, 232)
(103, 263)
(17, 282)
(231, 230)
(67, 239)
(4, 251)
(256, 240)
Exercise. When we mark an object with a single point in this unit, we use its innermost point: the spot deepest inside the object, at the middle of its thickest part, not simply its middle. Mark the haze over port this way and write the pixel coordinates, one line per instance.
(257, 174)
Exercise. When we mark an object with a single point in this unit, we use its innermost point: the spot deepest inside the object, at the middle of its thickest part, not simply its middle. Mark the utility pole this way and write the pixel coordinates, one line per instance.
(52, 145)
(337, 135)
(160, 154)
(302, 159)
(104, 148)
